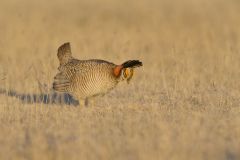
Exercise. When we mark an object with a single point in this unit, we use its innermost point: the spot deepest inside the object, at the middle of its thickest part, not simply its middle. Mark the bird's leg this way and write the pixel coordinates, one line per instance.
(83, 102)
(86, 102)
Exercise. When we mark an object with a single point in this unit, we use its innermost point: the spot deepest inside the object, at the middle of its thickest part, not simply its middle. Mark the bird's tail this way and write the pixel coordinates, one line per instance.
(64, 53)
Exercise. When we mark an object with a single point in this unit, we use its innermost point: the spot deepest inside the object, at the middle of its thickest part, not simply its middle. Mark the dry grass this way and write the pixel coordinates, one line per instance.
(183, 104)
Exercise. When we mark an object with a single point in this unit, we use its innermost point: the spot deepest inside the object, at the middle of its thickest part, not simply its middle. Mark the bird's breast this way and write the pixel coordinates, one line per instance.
(95, 81)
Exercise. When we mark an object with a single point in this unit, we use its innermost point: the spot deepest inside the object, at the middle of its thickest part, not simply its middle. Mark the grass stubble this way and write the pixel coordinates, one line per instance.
(184, 103)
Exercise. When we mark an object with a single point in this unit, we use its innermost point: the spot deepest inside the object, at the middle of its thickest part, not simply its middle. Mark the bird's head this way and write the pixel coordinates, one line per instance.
(125, 70)
(127, 74)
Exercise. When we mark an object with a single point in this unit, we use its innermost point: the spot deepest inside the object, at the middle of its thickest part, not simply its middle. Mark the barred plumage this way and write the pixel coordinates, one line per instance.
(87, 78)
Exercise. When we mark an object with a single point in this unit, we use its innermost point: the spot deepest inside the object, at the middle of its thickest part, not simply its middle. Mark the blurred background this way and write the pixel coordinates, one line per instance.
(197, 36)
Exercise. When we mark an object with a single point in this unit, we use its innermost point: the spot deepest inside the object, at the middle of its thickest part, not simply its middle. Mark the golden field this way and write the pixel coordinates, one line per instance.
(184, 103)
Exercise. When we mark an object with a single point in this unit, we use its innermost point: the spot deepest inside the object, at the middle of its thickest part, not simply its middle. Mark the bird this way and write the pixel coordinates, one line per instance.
(84, 79)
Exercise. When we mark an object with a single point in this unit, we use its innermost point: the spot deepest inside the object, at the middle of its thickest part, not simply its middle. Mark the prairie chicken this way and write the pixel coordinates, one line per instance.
(87, 78)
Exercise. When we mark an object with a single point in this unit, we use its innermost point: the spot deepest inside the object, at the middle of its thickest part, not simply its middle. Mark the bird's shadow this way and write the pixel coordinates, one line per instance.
(44, 98)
